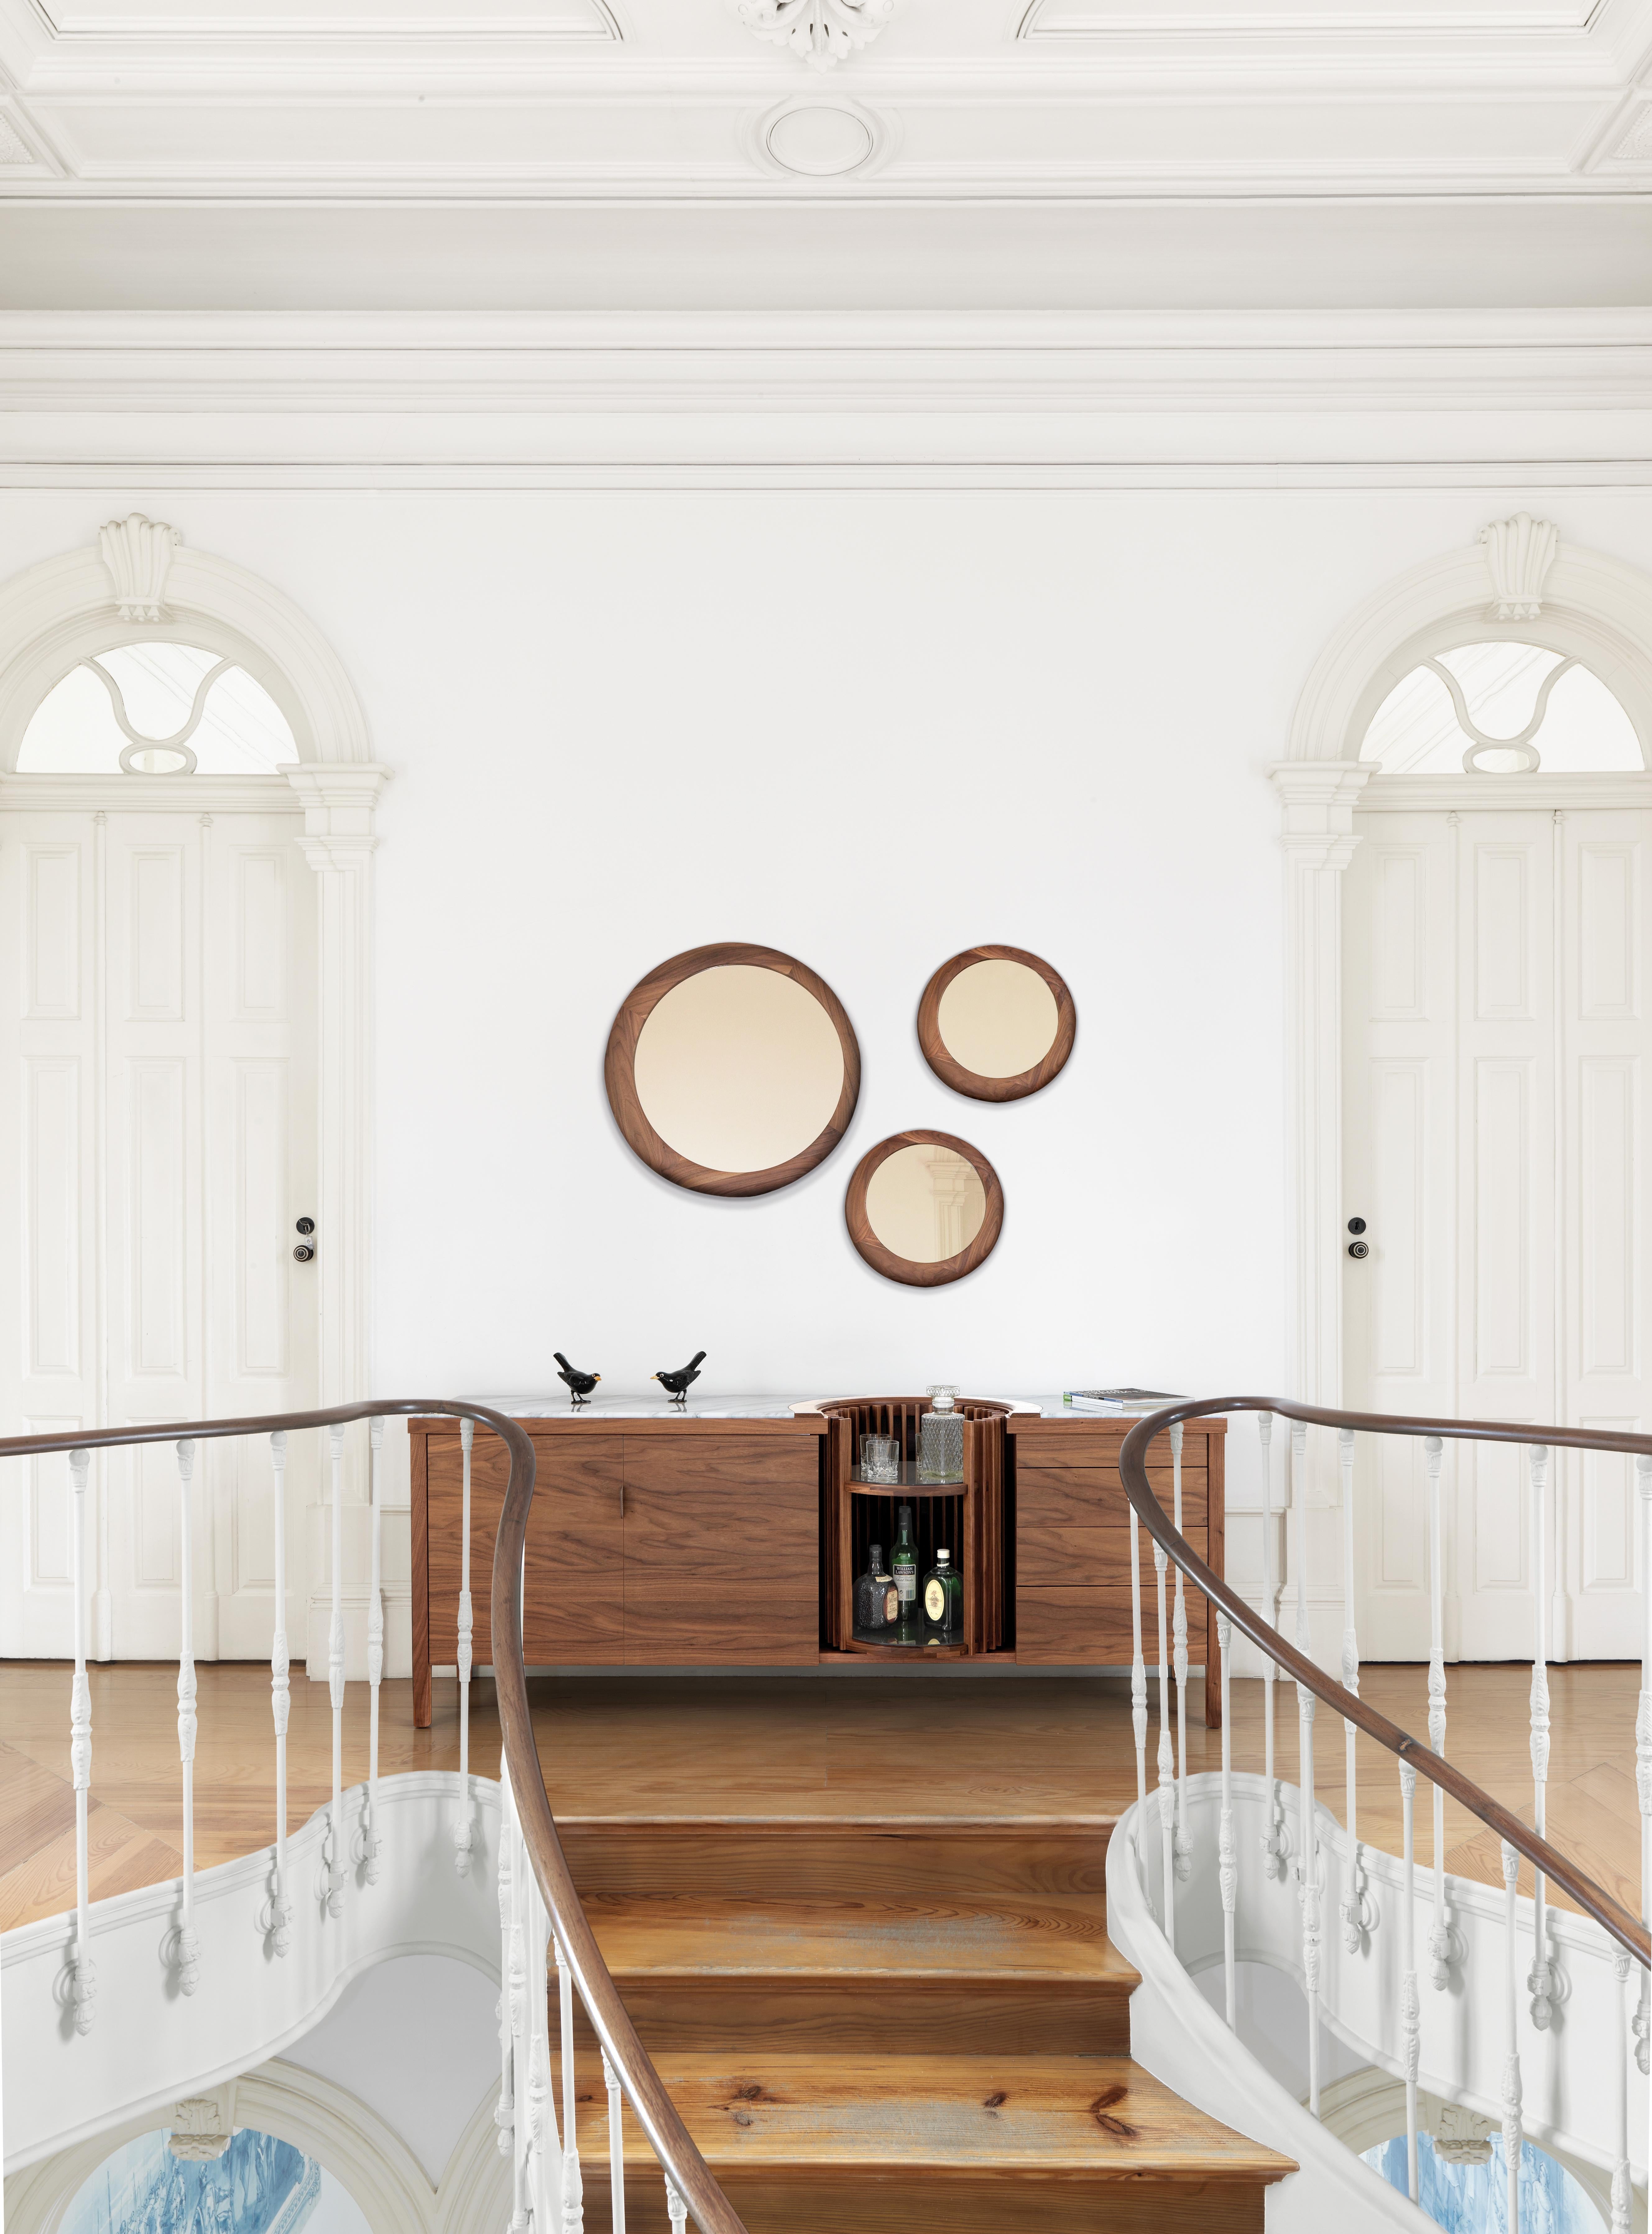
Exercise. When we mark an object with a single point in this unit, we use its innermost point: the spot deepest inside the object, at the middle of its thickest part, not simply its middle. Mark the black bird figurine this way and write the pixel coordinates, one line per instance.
(678, 1382)
(580, 1384)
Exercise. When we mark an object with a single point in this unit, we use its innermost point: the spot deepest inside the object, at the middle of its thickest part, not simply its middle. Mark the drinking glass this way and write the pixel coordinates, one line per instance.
(879, 1458)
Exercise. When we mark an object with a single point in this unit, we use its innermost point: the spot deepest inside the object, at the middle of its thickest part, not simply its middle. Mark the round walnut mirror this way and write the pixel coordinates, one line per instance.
(925, 1208)
(733, 1069)
(996, 1023)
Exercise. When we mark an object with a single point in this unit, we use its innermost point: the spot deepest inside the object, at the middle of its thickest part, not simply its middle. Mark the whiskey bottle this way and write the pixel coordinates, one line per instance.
(943, 1603)
(904, 1566)
(877, 1600)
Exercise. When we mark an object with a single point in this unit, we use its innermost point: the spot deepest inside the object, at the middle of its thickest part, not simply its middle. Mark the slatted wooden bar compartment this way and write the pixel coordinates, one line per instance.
(968, 1518)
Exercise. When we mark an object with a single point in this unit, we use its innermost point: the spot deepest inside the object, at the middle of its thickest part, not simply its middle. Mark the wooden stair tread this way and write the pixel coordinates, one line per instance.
(1083, 2118)
(878, 1937)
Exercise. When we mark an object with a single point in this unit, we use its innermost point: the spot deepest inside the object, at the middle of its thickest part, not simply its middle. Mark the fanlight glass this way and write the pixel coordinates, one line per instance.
(926, 1202)
(739, 1069)
(157, 710)
(258, 2183)
(997, 1019)
(1501, 709)
(1466, 2191)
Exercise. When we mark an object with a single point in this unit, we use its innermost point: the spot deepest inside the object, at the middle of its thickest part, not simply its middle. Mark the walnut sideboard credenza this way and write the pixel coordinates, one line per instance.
(695, 1538)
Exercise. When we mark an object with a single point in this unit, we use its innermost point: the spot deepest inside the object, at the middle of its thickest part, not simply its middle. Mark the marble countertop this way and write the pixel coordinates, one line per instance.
(516, 1406)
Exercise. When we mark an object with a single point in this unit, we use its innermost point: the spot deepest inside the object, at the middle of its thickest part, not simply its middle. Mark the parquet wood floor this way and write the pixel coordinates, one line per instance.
(765, 1745)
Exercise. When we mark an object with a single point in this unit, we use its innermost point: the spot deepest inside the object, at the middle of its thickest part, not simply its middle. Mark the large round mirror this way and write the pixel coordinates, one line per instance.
(925, 1208)
(996, 1023)
(733, 1069)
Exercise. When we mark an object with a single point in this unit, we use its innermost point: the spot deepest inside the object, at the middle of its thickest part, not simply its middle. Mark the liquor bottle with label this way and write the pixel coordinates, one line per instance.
(943, 1603)
(904, 1566)
(877, 1600)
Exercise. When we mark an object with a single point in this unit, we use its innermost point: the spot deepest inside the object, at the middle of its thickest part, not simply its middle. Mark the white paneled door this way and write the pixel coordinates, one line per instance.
(1496, 1116)
(158, 1130)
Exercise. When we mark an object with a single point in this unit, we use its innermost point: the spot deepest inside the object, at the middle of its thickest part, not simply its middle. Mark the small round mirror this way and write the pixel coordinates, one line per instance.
(733, 1069)
(996, 1023)
(925, 1208)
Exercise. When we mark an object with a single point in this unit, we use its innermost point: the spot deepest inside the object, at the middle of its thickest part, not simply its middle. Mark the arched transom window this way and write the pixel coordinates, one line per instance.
(153, 708)
(1503, 708)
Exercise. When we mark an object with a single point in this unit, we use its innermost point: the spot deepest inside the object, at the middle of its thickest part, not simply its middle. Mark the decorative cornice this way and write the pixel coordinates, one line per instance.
(824, 32)
(339, 803)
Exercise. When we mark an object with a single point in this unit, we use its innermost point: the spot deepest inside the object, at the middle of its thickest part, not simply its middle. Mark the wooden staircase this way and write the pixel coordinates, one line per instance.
(886, 2024)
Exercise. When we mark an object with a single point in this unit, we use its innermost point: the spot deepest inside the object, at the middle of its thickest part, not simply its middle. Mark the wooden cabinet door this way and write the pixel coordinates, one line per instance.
(721, 1549)
(574, 1605)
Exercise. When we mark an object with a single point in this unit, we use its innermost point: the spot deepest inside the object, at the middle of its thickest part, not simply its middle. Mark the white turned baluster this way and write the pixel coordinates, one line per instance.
(82, 1970)
(1273, 1856)
(335, 1848)
(676, 2208)
(1307, 1855)
(1438, 1940)
(616, 2147)
(1512, 2062)
(1166, 1756)
(516, 2003)
(1354, 1914)
(1410, 2007)
(505, 2109)
(1541, 1982)
(188, 1944)
(461, 1829)
(539, 2148)
(280, 1700)
(1621, 2165)
(1643, 1747)
(1178, 1645)
(1137, 1686)
(573, 2195)
(375, 1653)
(1227, 1859)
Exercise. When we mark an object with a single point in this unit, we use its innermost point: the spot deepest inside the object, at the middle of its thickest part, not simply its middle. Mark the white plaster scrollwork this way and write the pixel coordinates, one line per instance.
(202, 2126)
(138, 553)
(1463, 2137)
(823, 32)
(1518, 554)
(1635, 145)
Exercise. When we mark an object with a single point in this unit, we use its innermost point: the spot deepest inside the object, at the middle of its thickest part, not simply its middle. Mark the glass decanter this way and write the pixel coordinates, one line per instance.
(940, 1437)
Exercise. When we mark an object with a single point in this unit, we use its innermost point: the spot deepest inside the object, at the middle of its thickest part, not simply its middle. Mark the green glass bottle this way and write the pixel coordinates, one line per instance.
(943, 1603)
(904, 1566)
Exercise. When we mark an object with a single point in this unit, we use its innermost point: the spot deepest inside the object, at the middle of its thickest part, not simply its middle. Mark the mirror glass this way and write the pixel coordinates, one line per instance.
(925, 1203)
(998, 1019)
(739, 1069)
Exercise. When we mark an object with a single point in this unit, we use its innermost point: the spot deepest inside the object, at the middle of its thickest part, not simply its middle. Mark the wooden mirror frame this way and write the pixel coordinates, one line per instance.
(972, 1082)
(619, 1070)
(904, 1269)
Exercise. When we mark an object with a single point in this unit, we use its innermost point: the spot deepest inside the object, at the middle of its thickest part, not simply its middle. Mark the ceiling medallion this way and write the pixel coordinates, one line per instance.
(824, 32)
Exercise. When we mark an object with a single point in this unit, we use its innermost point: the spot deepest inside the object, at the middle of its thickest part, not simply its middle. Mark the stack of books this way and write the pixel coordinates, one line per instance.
(1117, 1400)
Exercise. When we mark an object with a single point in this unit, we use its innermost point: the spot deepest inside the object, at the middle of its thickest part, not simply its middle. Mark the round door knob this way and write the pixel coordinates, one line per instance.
(307, 1225)
(1359, 1248)
(303, 1252)
(1355, 1225)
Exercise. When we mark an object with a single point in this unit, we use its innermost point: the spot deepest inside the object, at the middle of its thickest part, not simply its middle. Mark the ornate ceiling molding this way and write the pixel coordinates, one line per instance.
(824, 32)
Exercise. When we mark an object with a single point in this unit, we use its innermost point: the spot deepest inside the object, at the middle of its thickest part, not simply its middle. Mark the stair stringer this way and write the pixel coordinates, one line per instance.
(1181, 2039)
(150, 2045)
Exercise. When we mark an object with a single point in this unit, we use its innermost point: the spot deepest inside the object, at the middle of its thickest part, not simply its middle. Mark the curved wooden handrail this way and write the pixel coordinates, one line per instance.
(1612, 1917)
(656, 2113)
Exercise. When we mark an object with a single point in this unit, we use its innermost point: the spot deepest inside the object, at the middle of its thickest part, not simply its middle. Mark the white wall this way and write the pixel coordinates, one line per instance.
(869, 727)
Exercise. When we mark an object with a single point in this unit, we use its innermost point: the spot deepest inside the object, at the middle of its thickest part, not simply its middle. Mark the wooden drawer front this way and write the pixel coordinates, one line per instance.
(1067, 1443)
(1068, 1624)
(1092, 1496)
(573, 1611)
(721, 1550)
(1057, 1552)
